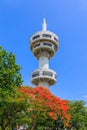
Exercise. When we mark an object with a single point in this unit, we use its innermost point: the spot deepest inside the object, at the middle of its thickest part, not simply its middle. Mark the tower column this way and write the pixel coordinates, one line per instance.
(44, 60)
(43, 83)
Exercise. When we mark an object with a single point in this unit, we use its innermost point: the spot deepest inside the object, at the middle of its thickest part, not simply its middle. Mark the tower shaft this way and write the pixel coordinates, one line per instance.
(44, 60)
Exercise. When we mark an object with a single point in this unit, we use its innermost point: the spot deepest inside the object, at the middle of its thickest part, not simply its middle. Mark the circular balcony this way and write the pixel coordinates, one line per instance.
(43, 76)
(43, 46)
(44, 40)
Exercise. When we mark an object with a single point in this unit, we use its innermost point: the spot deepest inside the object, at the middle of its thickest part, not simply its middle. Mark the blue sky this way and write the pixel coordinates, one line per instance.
(19, 19)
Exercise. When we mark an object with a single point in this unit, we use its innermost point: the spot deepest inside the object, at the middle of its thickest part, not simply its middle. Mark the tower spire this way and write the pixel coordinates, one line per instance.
(44, 25)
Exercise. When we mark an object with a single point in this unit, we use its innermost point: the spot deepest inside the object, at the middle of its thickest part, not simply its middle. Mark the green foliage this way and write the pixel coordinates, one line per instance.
(78, 112)
(9, 71)
(7, 128)
(10, 82)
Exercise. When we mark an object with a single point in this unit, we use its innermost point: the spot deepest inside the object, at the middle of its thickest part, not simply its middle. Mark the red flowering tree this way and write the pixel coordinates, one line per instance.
(44, 108)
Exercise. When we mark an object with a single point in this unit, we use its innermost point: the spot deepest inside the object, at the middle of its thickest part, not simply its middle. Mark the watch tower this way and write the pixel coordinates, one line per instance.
(44, 45)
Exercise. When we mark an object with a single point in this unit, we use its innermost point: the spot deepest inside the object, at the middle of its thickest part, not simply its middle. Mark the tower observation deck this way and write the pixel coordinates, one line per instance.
(44, 45)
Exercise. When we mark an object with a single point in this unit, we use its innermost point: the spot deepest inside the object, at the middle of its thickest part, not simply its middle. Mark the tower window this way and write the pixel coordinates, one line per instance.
(47, 44)
(55, 76)
(35, 37)
(46, 35)
(36, 45)
(47, 73)
(35, 75)
(55, 39)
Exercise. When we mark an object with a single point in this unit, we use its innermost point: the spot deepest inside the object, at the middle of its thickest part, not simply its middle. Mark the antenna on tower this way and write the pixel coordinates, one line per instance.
(44, 25)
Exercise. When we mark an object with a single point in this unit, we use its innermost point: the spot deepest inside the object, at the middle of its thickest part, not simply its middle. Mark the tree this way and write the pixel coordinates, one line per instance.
(78, 113)
(10, 82)
(10, 76)
(44, 108)
(36, 108)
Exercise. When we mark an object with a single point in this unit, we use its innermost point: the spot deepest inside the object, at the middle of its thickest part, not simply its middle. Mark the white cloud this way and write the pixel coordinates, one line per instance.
(85, 96)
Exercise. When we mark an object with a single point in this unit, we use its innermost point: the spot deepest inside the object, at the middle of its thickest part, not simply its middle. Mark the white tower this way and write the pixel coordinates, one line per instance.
(44, 44)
